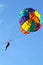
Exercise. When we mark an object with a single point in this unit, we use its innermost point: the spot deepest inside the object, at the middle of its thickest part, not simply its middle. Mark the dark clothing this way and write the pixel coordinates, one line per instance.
(7, 45)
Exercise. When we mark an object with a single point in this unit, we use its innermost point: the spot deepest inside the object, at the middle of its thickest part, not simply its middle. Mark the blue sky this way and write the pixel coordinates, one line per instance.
(24, 49)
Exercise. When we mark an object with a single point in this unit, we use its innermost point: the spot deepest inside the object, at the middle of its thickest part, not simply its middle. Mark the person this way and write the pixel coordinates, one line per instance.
(8, 43)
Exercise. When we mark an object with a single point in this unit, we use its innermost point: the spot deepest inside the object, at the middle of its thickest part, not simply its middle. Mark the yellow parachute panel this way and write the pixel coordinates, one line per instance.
(27, 25)
(37, 14)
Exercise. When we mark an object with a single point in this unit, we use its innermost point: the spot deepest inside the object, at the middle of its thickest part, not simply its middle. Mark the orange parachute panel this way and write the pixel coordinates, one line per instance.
(33, 17)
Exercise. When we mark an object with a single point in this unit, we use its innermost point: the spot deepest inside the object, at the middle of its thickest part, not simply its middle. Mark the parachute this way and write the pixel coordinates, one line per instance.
(30, 20)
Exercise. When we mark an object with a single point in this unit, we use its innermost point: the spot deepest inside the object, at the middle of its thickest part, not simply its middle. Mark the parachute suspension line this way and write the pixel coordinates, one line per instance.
(14, 36)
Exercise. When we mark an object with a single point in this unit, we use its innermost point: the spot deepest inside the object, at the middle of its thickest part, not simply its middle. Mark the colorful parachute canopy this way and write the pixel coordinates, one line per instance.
(30, 20)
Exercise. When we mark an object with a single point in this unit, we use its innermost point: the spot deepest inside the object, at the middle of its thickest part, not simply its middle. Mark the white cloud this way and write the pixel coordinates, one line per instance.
(1, 6)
